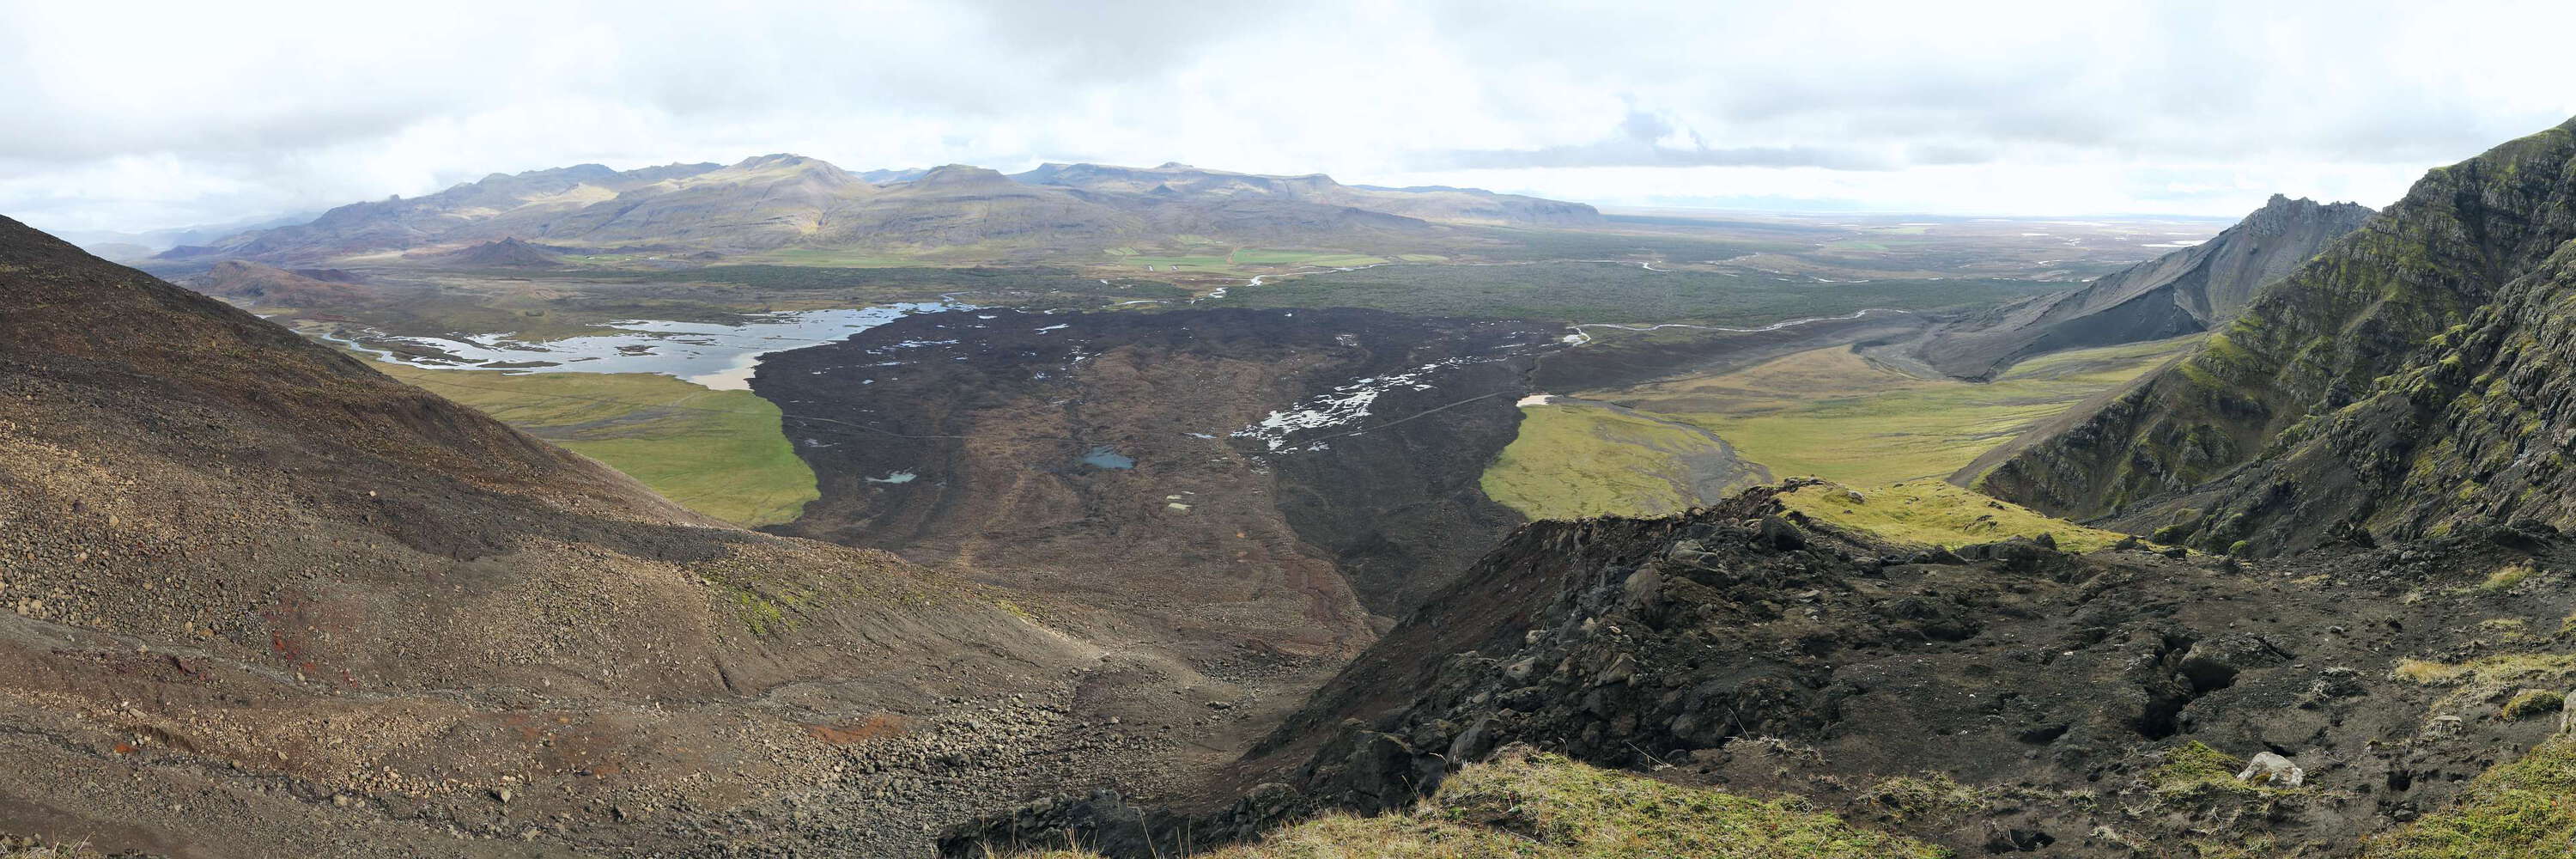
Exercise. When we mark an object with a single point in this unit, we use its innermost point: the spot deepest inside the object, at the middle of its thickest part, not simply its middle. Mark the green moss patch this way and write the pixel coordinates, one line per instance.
(1933, 513)
(720, 453)
(1575, 460)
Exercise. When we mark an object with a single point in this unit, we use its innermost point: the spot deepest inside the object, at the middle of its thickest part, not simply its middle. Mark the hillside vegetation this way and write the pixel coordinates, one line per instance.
(1575, 459)
(2399, 383)
(716, 452)
(1934, 513)
(1834, 414)
(1526, 805)
(2518, 808)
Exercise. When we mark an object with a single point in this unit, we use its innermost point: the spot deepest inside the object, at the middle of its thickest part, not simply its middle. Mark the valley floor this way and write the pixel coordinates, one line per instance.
(1837, 412)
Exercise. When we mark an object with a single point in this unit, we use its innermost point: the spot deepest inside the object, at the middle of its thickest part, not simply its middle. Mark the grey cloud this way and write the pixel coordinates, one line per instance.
(1639, 142)
(297, 111)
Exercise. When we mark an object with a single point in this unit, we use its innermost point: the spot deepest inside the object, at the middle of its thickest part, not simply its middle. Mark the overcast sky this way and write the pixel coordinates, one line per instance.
(132, 116)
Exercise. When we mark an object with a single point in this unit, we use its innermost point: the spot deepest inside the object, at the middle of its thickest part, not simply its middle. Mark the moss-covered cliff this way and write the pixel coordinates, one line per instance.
(2363, 389)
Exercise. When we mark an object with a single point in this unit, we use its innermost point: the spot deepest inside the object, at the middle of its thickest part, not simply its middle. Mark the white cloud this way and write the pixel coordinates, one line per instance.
(156, 115)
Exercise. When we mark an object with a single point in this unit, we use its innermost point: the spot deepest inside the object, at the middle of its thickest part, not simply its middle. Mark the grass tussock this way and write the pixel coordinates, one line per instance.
(2195, 769)
(2505, 579)
(1935, 513)
(1526, 805)
(32, 848)
(2497, 681)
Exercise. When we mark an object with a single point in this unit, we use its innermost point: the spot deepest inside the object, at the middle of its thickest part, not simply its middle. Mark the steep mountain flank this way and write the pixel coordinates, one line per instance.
(263, 600)
(766, 201)
(2004, 698)
(495, 206)
(2193, 289)
(1276, 477)
(2322, 358)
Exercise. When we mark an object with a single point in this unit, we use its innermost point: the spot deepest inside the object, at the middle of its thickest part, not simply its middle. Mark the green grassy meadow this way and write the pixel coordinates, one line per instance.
(1573, 460)
(720, 453)
(1832, 414)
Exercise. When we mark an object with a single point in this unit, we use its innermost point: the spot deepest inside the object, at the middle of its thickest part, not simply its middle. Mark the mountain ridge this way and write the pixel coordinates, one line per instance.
(786, 200)
(2332, 382)
(2189, 290)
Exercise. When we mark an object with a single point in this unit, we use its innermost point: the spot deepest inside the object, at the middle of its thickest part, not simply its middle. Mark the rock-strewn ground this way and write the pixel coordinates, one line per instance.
(265, 601)
(2004, 697)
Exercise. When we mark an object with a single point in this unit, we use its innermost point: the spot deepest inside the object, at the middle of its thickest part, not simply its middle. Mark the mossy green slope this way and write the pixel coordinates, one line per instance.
(1540, 806)
(1575, 459)
(2331, 338)
(1833, 414)
(1934, 513)
(2519, 808)
(716, 452)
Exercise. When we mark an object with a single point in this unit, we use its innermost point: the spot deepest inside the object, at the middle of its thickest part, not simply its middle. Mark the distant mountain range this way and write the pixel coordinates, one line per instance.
(791, 201)
(126, 246)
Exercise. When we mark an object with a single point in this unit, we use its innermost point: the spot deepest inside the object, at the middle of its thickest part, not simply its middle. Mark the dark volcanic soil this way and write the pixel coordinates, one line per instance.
(2006, 698)
(1238, 481)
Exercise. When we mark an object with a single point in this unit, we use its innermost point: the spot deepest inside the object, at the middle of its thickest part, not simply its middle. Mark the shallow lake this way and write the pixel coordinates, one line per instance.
(716, 355)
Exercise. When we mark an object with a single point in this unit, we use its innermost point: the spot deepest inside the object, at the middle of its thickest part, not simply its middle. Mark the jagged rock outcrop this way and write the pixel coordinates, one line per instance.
(2409, 361)
(2005, 697)
(2190, 290)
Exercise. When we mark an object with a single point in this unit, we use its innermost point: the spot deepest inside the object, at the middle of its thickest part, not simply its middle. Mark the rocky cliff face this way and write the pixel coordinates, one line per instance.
(2341, 376)
(2190, 290)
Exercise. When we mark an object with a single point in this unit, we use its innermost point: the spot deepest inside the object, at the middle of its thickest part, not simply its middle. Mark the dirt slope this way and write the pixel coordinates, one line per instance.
(265, 601)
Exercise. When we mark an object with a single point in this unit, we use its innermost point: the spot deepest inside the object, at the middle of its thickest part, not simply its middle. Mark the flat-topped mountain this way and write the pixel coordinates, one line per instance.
(783, 201)
(2190, 290)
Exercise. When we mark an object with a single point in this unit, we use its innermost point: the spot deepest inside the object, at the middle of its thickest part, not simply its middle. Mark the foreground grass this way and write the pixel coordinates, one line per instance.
(2523, 808)
(1575, 460)
(1934, 513)
(14, 848)
(1537, 806)
(716, 452)
(1829, 413)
